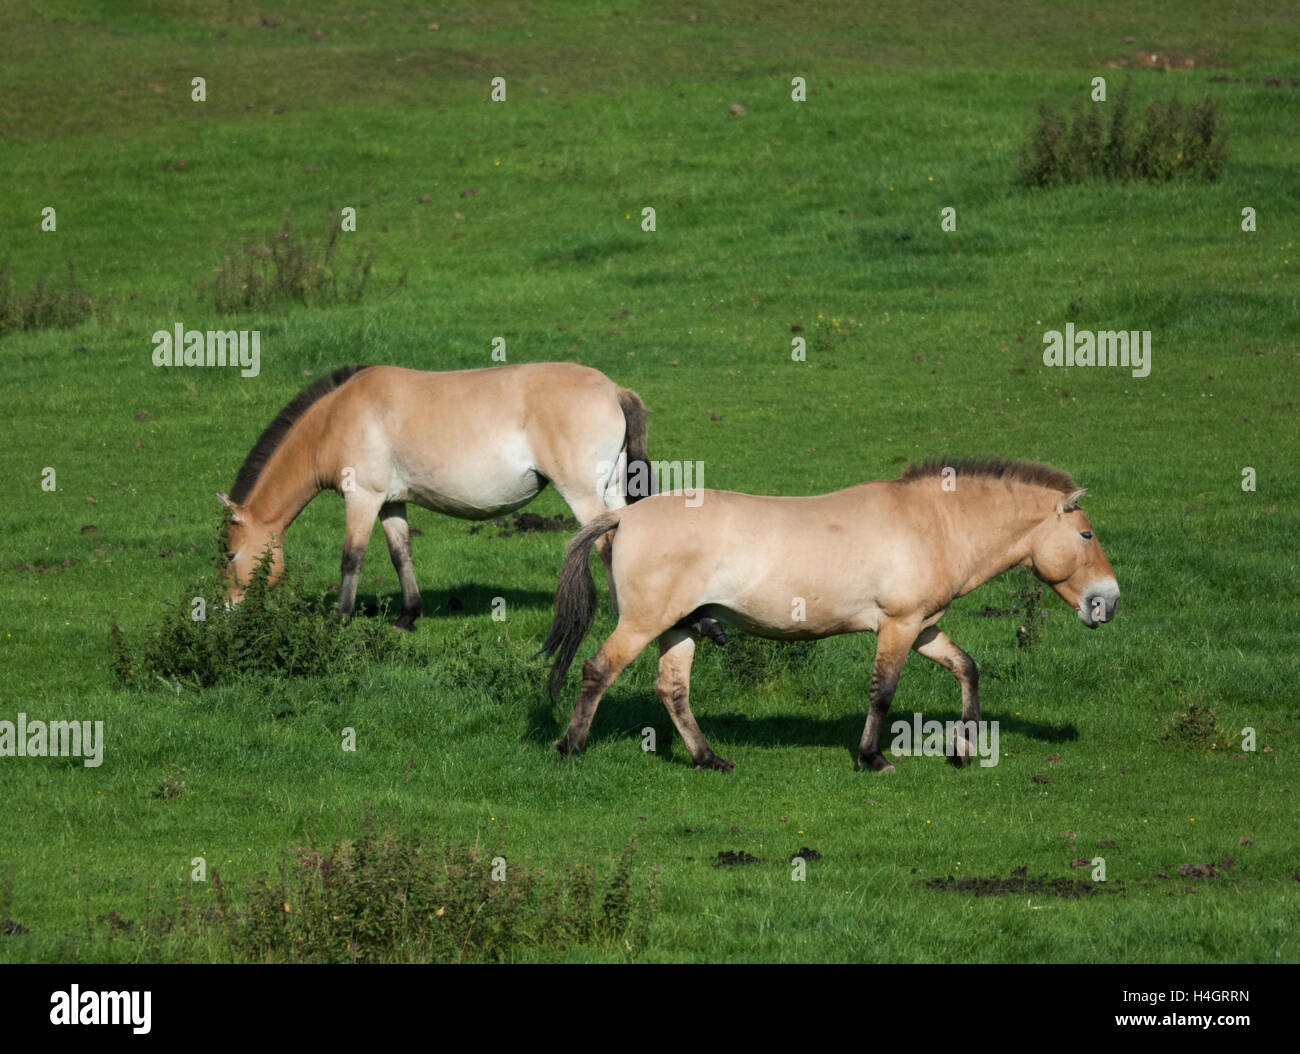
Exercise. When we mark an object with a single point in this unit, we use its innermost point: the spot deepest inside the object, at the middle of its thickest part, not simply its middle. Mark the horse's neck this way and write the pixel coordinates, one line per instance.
(1002, 528)
(290, 479)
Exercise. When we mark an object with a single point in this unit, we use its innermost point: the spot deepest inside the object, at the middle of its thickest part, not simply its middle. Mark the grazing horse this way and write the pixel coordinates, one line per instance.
(887, 556)
(469, 443)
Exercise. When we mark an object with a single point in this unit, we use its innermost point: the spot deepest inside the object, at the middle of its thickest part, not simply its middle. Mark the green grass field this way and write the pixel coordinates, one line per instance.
(522, 219)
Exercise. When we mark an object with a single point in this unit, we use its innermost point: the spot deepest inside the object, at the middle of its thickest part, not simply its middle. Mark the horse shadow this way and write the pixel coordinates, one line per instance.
(463, 600)
(625, 716)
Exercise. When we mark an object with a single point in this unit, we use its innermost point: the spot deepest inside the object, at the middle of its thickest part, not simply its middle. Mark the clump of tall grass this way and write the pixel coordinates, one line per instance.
(46, 305)
(291, 268)
(1101, 141)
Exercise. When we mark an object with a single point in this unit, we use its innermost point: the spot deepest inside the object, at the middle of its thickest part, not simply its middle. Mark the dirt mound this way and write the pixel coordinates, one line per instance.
(1019, 884)
(727, 858)
(530, 523)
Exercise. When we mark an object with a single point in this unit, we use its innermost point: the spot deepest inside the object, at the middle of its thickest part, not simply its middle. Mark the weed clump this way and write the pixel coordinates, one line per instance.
(47, 305)
(389, 896)
(199, 641)
(1173, 141)
(1026, 601)
(291, 269)
(172, 784)
(1197, 728)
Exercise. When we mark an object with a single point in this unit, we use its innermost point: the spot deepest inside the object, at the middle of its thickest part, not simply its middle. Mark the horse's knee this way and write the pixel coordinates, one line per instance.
(671, 690)
(351, 562)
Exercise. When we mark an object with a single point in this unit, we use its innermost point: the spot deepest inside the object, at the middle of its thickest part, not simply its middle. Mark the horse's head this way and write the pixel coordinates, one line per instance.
(1064, 553)
(246, 542)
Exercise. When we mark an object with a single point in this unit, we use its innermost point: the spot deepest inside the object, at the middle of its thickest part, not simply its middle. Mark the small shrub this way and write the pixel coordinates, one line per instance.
(1173, 142)
(123, 662)
(1026, 605)
(386, 896)
(281, 631)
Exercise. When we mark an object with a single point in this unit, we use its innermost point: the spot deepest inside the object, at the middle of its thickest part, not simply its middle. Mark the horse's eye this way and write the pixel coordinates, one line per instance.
(1086, 535)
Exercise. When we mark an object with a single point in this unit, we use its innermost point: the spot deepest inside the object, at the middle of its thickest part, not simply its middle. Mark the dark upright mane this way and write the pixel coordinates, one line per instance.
(992, 468)
(279, 428)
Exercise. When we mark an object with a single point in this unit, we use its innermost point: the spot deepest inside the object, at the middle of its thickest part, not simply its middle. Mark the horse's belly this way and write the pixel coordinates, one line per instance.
(799, 619)
(476, 498)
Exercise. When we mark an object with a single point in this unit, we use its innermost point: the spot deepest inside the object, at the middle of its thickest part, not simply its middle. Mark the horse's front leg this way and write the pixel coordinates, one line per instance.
(393, 518)
(895, 637)
(934, 644)
(362, 508)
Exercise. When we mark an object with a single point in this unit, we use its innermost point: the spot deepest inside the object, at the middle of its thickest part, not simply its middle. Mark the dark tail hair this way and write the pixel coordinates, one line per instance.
(575, 599)
(638, 419)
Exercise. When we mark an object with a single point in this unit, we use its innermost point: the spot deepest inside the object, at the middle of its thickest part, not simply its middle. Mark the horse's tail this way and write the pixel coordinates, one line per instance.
(638, 423)
(575, 598)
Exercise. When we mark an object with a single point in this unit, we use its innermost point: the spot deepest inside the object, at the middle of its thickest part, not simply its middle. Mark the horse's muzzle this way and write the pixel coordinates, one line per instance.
(1099, 604)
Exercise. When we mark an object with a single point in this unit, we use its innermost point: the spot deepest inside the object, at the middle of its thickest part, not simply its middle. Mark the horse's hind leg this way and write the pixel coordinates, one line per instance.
(673, 687)
(362, 508)
(934, 644)
(398, 533)
(894, 639)
(598, 673)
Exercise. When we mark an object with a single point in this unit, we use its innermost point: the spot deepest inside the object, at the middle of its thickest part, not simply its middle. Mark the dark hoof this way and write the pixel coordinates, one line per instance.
(565, 750)
(406, 625)
(876, 762)
(960, 751)
(715, 762)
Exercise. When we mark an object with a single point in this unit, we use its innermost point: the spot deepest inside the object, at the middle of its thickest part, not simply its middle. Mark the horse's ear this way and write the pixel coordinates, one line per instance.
(1071, 501)
(234, 509)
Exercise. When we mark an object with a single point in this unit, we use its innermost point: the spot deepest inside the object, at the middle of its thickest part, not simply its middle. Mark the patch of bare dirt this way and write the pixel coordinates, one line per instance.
(1019, 884)
(529, 523)
(727, 858)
